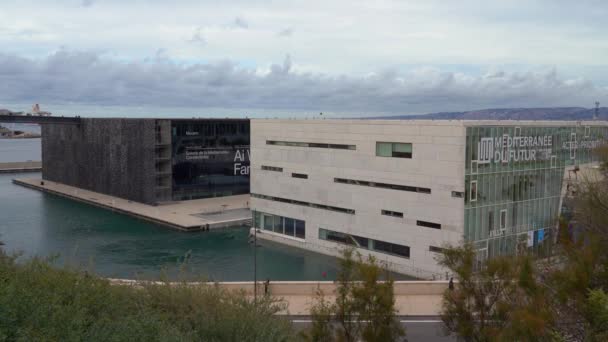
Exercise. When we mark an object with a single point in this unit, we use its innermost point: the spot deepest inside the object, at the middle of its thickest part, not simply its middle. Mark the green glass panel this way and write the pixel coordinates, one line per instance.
(384, 149)
(268, 219)
(400, 147)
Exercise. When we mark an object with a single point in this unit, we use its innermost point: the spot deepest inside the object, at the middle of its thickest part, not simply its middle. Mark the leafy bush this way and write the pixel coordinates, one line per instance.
(40, 302)
(364, 306)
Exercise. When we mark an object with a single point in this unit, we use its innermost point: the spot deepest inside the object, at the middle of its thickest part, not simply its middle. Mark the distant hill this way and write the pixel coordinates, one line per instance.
(555, 113)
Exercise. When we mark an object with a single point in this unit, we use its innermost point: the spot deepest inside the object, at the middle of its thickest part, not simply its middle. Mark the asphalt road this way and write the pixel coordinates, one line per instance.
(418, 328)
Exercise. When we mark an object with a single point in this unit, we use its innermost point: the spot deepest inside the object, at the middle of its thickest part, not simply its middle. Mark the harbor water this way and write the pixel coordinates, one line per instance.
(116, 245)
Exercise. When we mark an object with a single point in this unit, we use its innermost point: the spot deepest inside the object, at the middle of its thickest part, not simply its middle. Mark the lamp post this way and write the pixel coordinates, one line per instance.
(255, 265)
(255, 261)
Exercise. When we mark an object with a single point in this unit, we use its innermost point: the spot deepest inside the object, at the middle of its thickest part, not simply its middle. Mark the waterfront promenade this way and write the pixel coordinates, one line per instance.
(200, 214)
(412, 298)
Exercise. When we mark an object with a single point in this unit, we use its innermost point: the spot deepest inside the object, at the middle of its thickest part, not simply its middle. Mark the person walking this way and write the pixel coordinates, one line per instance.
(266, 286)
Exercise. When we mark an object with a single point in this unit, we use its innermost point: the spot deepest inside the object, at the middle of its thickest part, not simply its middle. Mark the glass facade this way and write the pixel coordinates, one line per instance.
(513, 182)
(280, 225)
(210, 158)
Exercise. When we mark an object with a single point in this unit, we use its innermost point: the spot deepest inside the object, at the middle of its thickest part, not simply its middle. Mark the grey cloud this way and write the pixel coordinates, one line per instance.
(87, 3)
(197, 37)
(288, 32)
(88, 78)
(161, 55)
(241, 23)
(282, 69)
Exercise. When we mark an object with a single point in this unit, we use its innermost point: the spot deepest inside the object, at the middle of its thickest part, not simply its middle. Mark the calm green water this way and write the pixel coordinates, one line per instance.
(116, 245)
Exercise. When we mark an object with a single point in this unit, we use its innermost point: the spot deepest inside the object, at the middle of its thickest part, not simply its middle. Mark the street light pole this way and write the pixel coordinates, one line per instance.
(255, 261)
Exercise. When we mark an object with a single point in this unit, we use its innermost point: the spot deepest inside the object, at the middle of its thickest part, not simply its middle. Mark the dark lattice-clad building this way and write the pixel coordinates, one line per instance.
(150, 160)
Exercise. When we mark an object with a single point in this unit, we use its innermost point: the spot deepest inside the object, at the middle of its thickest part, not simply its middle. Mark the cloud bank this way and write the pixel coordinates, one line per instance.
(90, 78)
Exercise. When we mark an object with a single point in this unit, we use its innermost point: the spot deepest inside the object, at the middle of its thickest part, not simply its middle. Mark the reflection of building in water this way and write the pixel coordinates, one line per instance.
(400, 190)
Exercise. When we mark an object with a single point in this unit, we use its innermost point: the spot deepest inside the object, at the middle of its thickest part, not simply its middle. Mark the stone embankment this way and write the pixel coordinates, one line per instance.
(18, 167)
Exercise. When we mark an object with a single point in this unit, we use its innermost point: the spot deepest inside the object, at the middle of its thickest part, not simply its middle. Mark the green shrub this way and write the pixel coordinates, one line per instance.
(39, 302)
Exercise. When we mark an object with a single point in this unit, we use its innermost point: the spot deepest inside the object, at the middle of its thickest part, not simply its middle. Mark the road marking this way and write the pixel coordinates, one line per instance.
(401, 321)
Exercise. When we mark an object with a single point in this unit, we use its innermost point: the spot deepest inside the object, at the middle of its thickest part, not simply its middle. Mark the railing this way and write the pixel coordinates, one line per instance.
(67, 120)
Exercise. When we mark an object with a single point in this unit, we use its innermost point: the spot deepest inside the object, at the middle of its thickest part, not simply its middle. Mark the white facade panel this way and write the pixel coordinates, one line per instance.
(437, 164)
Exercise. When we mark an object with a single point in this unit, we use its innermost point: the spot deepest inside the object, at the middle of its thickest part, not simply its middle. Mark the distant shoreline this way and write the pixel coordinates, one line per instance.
(21, 137)
(7, 133)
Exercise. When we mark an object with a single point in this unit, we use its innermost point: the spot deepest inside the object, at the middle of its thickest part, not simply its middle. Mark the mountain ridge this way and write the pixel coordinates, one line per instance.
(547, 113)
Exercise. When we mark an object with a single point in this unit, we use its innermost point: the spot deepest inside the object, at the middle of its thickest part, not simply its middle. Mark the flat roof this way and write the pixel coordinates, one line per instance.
(466, 123)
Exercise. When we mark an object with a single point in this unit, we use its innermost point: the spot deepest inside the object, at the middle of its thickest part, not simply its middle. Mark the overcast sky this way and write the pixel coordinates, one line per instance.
(335, 55)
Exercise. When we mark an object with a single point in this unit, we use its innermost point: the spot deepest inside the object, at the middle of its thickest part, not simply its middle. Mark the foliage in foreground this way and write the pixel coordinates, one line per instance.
(364, 307)
(501, 302)
(512, 298)
(39, 302)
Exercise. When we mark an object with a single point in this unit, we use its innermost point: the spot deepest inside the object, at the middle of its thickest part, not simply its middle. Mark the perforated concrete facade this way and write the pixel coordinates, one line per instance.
(110, 156)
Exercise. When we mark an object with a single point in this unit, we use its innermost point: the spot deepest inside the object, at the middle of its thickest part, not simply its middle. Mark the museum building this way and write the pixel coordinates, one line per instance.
(402, 190)
(150, 160)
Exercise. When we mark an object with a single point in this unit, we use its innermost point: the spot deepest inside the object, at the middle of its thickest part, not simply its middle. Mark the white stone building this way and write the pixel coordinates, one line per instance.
(402, 189)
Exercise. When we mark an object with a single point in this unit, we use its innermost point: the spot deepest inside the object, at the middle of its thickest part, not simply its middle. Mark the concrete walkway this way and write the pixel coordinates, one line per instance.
(185, 215)
(17, 167)
(412, 298)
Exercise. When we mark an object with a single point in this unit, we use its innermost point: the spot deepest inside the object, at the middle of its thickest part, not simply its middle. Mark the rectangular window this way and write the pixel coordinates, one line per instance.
(572, 145)
(391, 248)
(272, 168)
(474, 166)
(309, 144)
(400, 250)
(587, 131)
(299, 175)
(337, 237)
(435, 249)
(457, 194)
(360, 242)
(383, 185)
(289, 226)
(268, 222)
(300, 229)
(307, 204)
(473, 191)
(364, 243)
(278, 224)
(394, 149)
(503, 219)
(517, 131)
(281, 225)
(392, 213)
(428, 224)
(553, 161)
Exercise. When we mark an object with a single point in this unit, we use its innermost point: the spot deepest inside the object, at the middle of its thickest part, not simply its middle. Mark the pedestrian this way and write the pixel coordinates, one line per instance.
(266, 286)
(451, 285)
